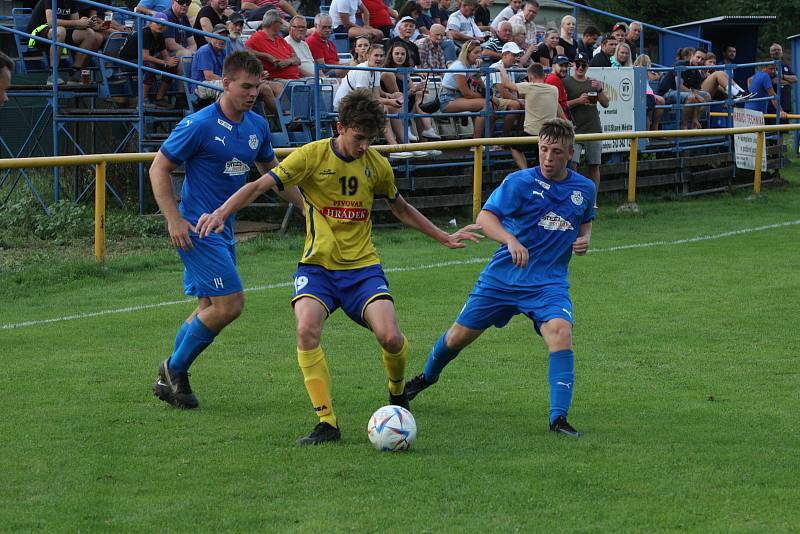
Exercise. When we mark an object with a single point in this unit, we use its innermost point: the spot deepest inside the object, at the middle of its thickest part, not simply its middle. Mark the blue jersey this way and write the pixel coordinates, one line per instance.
(217, 154)
(760, 84)
(545, 216)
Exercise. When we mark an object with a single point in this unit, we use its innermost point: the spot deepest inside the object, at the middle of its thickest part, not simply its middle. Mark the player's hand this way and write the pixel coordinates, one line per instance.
(455, 240)
(519, 253)
(179, 233)
(580, 246)
(208, 223)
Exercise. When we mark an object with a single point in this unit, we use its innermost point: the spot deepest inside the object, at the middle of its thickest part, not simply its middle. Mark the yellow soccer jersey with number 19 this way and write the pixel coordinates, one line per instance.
(338, 194)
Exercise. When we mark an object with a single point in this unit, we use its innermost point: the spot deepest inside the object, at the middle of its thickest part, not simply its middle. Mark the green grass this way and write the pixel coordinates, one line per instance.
(686, 382)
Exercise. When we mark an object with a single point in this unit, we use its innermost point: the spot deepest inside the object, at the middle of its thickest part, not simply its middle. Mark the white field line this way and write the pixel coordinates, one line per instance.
(438, 265)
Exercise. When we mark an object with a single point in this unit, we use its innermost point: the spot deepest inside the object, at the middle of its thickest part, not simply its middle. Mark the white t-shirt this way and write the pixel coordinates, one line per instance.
(357, 79)
(343, 6)
(505, 14)
(303, 52)
(460, 23)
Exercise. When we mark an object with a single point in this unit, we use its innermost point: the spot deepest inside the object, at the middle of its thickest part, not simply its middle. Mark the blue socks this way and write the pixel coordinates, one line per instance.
(439, 357)
(561, 375)
(195, 339)
(179, 336)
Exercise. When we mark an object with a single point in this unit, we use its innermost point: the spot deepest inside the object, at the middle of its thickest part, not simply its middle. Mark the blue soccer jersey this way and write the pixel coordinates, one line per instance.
(545, 216)
(217, 154)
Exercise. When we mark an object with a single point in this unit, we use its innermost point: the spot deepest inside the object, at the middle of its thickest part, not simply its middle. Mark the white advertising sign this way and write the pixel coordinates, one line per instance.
(618, 84)
(744, 145)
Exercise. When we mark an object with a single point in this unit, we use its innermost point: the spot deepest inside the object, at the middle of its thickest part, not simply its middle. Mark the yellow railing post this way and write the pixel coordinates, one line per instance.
(100, 212)
(477, 182)
(632, 164)
(759, 154)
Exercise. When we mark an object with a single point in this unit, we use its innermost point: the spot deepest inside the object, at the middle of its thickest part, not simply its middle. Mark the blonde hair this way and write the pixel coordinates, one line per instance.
(643, 61)
(628, 63)
(468, 47)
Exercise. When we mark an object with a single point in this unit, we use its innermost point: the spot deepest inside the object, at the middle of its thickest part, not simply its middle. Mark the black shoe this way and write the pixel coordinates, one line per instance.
(162, 103)
(322, 433)
(174, 388)
(400, 400)
(561, 426)
(415, 385)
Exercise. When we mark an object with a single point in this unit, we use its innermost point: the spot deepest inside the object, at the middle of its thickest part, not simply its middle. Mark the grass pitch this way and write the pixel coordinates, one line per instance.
(686, 390)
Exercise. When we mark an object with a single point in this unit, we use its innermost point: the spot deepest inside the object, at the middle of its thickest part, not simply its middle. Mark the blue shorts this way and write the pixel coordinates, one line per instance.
(351, 289)
(487, 306)
(210, 268)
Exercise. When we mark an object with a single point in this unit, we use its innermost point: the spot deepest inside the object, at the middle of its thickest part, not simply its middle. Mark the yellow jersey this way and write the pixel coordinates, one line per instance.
(338, 194)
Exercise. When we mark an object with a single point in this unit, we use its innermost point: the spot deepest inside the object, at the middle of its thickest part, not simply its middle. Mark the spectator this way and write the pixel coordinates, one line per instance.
(583, 95)
(431, 51)
(456, 94)
(501, 89)
(482, 16)
(216, 12)
(761, 85)
(566, 39)
(359, 51)
(409, 9)
(728, 55)
(256, 9)
(632, 38)
(6, 68)
(493, 48)
(380, 16)
(392, 82)
(297, 40)
(549, 49)
(541, 104)
(602, 56)
(506, 13)
(179, 41)
(713, 83)
(653, 99)
(444, 7)
(71, 29)
(619, 31)
(519, 36)
(322, 47)
(622, 56)
(207, 64)
(151, 7)
(408, 26)
(588, 40)
(461, 27)
(343, 15)
(560, 69)
(788, 78)
(154, 55)
(235, 25)
(275, 53)
(668, 88)
(425, 18)
(526, 18)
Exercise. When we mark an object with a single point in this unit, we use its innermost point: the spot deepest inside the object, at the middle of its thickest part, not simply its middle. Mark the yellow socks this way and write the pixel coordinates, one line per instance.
(318, 382)
(395, 365)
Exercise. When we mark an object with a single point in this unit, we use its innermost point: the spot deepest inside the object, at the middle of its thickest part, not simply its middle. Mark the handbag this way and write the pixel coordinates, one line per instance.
(431, 106)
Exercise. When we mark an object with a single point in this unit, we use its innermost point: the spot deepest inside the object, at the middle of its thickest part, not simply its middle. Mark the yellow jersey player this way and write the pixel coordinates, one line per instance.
(339, 179)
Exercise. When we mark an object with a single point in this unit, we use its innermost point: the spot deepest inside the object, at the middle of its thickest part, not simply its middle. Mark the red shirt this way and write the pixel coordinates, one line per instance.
(279, 49)
(326, 51)
(554, 80)
(378, 13)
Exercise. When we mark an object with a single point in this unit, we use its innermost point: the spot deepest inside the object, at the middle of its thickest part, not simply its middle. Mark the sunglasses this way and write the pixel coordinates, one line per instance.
(184, 2)
(581, 65)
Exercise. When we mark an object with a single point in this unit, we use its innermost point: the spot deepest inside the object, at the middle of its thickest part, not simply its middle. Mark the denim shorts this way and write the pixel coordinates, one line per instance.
(445, 97)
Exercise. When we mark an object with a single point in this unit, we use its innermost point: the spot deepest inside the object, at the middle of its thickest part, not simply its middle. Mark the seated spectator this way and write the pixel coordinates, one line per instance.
(482, 16)
(179, 41)
(499, 81)
(71, 30)
(216, 12)
(297, 40)
(431, 51)
(525, 17)
(458, 94)
(409, 9)
(619, 31)
(560, 69)
(714, 83)
(6, 68)
(653, 99)
(493, 49)
(425, 18)
(622, 56)
(322, 47)
(632, 38)
(668, 88)
(566, 38)
(154, 55)
(519, 36)
(445, 9)
(359, 51)
(604, 52)
(461, 27)
(380, 16)
(343, 14)
(151, 7)
(728, 55)
(256, 9)
(408, 26)
(761, 86)
(207, 64)
(393, 83)
(276, 55)
(588, 40)
(235, 25)
(541, 104)
(506, 13)
(548, 50)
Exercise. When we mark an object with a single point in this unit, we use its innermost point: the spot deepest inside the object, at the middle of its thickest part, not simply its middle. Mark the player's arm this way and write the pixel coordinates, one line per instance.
(215, 222)
(160, 178)
(581, 244)
(290, 194)
(494, 229)
(410, 216)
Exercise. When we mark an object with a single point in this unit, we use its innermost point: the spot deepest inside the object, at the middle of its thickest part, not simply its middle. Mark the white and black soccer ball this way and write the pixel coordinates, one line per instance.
(392, 428)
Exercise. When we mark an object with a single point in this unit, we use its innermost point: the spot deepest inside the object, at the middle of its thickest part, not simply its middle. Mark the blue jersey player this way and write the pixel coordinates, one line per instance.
(217, 146)
(540, 216)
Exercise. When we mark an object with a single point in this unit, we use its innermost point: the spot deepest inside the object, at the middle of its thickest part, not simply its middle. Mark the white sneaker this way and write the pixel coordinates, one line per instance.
(420, 153)
(434, 153)
(430, 133)
(412, 138)
(401, 155)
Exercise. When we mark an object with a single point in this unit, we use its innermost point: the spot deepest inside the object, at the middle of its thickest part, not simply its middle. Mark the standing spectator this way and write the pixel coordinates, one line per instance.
(216, 12)
(559, 71)
(179, 42)
(461, 27)
(548, 50)
(632, 38)
(493, 48)
(728, 55)
(761, 85)
(380, 16)
(619, 31)
(343, 14)
(506, 13)
(6, 68)
(431, 52)
(151, 7)
(602, 56)
(566, 39)
(297, 40)
(271, 48)
(408, 26)
(482, 16)
(154, 55)
(788, 78)
(583, 95)
(588, 40)
(322, 47)
(526, 18)
(622, 56)
(207, 64)
(235, 25)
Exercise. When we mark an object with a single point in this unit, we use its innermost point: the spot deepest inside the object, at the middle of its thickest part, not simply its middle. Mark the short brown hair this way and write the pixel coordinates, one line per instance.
(242, 60)
(6, 63)
(558, 130)
(536, 70)
(360, 110)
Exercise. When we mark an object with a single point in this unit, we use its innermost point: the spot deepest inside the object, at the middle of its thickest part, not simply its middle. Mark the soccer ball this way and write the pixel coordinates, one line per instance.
(392, 428)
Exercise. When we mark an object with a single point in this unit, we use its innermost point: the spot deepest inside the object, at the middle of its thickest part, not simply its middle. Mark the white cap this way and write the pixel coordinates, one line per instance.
(512, 47)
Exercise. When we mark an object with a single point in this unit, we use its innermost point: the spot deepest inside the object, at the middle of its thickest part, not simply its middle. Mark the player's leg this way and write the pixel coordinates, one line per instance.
(381, 317)
(202, 302)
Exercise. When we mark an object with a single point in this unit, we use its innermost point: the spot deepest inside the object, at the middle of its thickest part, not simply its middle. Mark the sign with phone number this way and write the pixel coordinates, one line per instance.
(619, 116)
